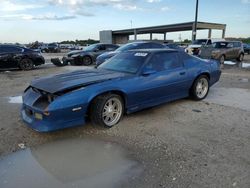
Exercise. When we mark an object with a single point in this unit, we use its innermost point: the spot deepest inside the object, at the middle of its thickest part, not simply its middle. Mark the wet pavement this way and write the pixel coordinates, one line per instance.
(68, 163)
(233, 97)
(15, 99)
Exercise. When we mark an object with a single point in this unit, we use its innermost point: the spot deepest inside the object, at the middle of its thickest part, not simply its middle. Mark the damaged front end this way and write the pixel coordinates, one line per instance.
(43, 111)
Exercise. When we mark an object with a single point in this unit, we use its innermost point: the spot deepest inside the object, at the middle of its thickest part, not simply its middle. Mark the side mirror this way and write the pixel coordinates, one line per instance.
(147, 72)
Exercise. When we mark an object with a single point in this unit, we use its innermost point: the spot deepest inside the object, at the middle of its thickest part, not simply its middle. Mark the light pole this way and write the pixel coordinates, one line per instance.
(195, 21)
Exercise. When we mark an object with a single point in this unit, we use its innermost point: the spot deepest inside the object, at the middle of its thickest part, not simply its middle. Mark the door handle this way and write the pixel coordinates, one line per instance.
(182, 73)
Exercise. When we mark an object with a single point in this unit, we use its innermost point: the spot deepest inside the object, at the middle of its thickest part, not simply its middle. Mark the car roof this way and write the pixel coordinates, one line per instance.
(154, 50)
(11, 45)
(144, 42)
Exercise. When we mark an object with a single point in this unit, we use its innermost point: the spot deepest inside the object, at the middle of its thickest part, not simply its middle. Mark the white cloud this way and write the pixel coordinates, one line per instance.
(17, 9)
(125, 7)
(48, 16)
(153, 1)
(8, 6)
(165, 8)
(245, 1)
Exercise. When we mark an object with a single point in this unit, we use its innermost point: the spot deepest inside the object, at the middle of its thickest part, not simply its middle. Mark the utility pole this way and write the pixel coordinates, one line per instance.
(195, 22)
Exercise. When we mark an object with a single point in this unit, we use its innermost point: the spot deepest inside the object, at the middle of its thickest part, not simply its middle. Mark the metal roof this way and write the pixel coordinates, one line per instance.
(187, 26)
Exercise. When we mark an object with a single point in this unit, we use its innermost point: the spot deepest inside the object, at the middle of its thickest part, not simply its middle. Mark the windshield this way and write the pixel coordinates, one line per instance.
(127, 47)
(129, 62)
(220, 44)
(91, 47)
(200, 41)
(52, 45)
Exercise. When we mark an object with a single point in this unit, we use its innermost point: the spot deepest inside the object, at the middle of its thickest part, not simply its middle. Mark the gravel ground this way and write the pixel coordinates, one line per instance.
(179, 144)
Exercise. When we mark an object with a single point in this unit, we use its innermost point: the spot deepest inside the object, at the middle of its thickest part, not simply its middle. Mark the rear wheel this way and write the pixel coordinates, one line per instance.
(26, 64)
(200, 88)
(107, 110)
(241, 57)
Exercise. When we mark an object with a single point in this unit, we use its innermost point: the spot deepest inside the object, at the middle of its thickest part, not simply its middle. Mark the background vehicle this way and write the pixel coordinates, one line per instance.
(44, 48)
(128, 82)
(246, 48)
(12, 56)
(174, 46)
(54, 48)
(126, 47)
(88, 55)
(225, 50)
(196, 45)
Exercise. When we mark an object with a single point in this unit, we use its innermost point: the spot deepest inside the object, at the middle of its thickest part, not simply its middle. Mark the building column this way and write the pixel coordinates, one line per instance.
(151, 36)
(209, 33)
(135, 34)
(223, 33)
(193, 33)
(165, 36)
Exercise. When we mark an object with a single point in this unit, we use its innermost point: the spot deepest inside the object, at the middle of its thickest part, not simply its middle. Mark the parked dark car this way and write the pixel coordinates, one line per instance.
(13, 56)
(85, 57)
(126, 83)
(224, 50)
(54, 48)
(246, 48)
(126, 47)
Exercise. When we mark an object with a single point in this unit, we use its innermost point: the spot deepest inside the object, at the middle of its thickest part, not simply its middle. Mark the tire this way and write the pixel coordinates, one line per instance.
(222, 59)
(241, 57)
(86, 60)
(102, 110)
(200, 88)
(26, 64)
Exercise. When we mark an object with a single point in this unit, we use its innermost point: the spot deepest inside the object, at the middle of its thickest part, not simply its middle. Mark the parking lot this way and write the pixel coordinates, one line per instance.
(179, 144)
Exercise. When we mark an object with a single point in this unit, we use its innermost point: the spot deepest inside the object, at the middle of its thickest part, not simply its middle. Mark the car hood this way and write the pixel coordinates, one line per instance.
(74, 80)
(194, 46)
(74, 52)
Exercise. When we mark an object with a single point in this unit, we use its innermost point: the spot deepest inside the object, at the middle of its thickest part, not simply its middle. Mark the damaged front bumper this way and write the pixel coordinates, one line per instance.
(65, 61)
(37, 116)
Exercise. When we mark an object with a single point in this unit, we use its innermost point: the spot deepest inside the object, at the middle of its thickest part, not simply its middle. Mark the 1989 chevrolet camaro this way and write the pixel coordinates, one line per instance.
(126, 83)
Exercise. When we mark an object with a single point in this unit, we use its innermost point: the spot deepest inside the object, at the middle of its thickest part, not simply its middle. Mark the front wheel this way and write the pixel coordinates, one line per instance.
(107, 110)
(26, 64)
(200, 88)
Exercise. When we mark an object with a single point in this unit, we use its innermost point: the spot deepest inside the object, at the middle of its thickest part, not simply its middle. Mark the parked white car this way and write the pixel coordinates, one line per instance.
(196, 45)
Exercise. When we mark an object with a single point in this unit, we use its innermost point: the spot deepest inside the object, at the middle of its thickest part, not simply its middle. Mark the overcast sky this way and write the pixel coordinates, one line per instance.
(57, 20)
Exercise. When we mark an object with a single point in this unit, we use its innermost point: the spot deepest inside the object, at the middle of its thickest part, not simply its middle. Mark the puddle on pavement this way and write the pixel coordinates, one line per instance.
(229, 63)
(245, 65)
(68, 163)
(15, 99)
(240, 65)
(234, 97)
(244, 80)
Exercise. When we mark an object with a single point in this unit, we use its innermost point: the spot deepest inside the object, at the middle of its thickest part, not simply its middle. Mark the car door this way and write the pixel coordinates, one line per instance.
(166, 81)
(229, 51)
(7, 57)
(236, 49)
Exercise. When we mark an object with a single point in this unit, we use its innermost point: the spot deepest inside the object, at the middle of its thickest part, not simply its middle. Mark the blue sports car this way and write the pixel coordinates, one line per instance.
(128, 82)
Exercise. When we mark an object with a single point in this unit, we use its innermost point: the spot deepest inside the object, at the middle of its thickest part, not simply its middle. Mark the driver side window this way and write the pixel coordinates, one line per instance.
(164, 61)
